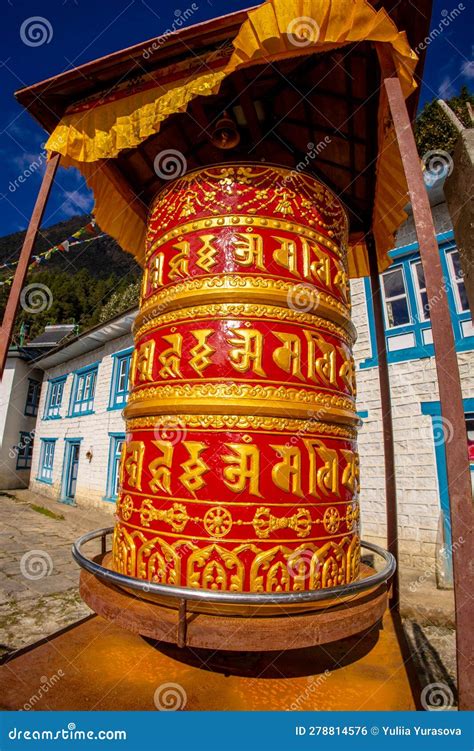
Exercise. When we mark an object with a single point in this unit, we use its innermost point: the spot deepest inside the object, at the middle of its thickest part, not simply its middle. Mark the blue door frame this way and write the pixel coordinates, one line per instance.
(70, 470)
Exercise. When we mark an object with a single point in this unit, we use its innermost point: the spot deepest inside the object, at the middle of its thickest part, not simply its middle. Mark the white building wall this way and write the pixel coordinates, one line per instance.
(13, 393)
(92, 429)
(411, 383)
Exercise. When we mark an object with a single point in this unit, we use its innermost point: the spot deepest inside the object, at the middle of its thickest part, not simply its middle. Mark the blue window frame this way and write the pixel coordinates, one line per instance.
(120, 378)
(54, 398)
(83, 391)
(406, 308)
(46, 462)
(113, 475)
(32, 397)
(433, 409)
(24, 450)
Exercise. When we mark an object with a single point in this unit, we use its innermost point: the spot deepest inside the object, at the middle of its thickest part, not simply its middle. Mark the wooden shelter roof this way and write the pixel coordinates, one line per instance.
(329, 99)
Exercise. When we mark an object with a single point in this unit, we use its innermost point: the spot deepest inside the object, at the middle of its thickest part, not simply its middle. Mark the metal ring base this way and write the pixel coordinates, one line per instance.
(255, 621)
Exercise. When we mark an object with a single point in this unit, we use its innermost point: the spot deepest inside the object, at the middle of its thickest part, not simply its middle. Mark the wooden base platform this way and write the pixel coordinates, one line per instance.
(95, 665)
(288, 629)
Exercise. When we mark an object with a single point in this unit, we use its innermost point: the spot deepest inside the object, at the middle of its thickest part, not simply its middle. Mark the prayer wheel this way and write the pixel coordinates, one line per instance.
(240, 469)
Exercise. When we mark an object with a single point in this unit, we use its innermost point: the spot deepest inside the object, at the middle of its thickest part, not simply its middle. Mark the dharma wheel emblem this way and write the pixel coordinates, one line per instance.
(331, 519)
(126, 507)
(217, 521)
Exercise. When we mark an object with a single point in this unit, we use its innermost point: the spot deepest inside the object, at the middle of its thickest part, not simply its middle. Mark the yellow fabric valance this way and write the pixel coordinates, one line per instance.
(89, 135)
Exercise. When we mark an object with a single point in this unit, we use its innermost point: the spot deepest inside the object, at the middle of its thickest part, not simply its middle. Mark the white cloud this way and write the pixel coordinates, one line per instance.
(467, 69)
(446, 89)
(76, 202)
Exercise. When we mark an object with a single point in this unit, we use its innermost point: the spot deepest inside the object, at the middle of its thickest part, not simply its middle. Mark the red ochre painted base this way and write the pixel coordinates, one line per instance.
(104, 667)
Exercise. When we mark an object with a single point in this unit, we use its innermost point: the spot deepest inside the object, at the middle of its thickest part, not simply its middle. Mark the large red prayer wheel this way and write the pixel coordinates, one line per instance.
(240, 469)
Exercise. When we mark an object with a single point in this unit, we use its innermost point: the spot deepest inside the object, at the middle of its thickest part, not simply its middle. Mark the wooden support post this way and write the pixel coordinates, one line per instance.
(387, 425)
(22, 269)
(449, 384)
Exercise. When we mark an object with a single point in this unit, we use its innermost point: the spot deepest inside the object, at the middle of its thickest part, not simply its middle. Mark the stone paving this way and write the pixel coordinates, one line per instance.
(39, 584)
(38, 576)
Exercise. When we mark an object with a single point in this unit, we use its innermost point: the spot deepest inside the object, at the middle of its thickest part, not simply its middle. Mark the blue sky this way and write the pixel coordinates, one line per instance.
(80, 30)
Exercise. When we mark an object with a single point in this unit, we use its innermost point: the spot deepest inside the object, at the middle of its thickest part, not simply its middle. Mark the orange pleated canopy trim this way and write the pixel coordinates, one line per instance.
(86, 137)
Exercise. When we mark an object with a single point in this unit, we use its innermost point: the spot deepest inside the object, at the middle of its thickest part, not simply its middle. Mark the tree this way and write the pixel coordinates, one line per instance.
(120, 301)
(433, 131)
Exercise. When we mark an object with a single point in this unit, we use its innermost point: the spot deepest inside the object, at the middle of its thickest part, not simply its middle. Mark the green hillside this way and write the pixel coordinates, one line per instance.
(88, 284)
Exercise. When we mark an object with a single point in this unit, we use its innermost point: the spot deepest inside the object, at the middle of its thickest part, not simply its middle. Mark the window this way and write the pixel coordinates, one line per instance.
(120, 379)
(457, 281)
(24, 450)
(396, 299)
(54, 398)
(45, 473)
(32, 397)
(470, 436)
(83, 390)
(408, 313)
(420, 288)
(113, 475)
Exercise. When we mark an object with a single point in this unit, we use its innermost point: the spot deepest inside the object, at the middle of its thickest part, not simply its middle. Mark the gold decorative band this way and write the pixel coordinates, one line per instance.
(247, 289)
(218, 521)
(231, 310)
(326, 565)
(253, 423)
(240, 399)
(237, 220)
